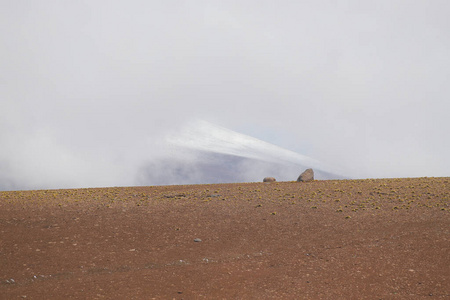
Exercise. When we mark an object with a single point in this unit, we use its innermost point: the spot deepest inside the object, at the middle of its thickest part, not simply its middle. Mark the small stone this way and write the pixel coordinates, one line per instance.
(308, 175)
(269, 179)
(197, 240)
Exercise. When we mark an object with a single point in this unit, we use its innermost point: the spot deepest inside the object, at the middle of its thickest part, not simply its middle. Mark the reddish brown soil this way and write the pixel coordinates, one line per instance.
(347, 239)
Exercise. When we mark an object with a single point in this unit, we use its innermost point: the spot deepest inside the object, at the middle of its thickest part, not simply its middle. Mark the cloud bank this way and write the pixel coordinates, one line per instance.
(89, 90)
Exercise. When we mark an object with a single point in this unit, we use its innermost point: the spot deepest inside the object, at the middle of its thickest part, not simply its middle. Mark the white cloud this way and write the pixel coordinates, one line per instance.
(364, 85)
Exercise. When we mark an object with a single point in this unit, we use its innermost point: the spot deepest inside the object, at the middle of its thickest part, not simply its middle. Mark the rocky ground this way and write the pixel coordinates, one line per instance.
(343, 239)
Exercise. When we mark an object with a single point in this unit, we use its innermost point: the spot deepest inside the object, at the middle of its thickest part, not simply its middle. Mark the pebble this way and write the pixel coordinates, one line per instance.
(197, 240)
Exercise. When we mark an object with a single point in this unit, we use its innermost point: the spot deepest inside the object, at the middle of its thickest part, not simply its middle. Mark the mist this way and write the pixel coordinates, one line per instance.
(90, 90)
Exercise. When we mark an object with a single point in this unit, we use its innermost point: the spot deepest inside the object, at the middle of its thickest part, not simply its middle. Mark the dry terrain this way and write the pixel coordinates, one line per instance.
(337, 239)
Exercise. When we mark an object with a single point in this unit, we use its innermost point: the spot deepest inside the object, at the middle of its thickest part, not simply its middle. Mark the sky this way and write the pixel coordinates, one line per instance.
(90, 89)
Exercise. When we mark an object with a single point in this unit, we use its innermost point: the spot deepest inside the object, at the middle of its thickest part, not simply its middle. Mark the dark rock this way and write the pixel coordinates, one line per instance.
(269, 179)
(308, 175)
(213, 195)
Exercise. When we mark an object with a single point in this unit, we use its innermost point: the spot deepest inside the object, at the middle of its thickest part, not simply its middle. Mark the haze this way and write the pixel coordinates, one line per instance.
(89, 90)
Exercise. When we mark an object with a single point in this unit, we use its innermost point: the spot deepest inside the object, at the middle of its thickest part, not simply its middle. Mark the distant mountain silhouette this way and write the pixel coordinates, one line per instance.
(211, 167)
(206, 153)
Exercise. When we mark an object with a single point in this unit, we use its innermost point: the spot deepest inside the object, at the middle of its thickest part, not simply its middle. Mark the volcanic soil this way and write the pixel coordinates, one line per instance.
(337, 239)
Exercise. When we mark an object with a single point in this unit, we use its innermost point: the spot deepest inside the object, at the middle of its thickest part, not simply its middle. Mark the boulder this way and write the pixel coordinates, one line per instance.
(308, 175)
(269, 179)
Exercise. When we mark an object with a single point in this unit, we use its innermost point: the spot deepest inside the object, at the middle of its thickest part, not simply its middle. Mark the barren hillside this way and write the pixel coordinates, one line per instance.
(337, 239)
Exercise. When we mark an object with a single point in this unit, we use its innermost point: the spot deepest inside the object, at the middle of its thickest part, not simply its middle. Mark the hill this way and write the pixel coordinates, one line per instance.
(331, 239)
(211, 168)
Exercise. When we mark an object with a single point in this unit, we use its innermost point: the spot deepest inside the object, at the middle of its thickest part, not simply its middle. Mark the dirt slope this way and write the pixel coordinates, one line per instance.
(344, 239)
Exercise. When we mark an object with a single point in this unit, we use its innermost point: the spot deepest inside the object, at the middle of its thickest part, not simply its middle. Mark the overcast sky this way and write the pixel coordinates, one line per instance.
(88, 89)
